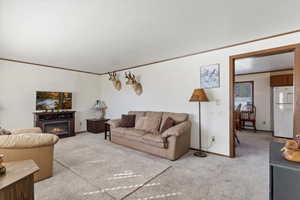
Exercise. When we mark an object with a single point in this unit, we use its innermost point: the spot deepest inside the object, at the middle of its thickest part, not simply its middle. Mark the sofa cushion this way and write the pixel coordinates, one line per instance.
(134, 132)
(167, 124)
(138, 114)
(114, 123)
(151, 124)
(177, 117)
(133, 138)
(153, 114)
(139, 124)
(127, 121)
(153, 140)
(118, 131)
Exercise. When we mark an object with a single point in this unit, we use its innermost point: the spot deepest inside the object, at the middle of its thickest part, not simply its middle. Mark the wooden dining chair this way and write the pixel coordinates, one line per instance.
(237, 121)
(248, 117)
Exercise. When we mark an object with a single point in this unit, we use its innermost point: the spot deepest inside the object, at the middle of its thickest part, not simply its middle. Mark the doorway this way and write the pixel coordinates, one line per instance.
(246, 88)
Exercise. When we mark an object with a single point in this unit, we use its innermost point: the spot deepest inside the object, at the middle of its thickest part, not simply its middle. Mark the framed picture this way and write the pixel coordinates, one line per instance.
(210, 76)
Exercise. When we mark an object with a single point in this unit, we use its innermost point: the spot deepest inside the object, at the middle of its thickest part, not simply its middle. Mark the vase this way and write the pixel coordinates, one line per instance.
(99, 114)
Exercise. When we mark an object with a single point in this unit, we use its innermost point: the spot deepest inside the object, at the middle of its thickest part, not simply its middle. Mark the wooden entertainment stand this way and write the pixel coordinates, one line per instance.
(61, 123)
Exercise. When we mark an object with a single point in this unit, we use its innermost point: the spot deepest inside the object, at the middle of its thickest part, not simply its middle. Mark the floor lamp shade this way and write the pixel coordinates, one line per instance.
(199, 96)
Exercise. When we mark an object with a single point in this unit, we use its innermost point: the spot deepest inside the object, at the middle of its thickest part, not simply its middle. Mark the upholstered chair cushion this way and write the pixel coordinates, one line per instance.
(27, 130)
(127, 121)
(169, 122)
(29, 140)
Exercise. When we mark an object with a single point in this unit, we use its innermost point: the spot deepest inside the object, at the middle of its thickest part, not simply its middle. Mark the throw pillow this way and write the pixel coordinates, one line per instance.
(127, 121)
(151, 124)
(140, 123)
(4, 131)
(168, 124)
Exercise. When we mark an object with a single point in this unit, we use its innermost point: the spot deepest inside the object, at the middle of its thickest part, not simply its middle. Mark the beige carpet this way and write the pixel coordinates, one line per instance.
(88, 168)
(109, 170)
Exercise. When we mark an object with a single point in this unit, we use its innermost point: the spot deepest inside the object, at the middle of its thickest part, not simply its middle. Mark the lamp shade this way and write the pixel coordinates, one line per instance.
(100, 105)
(199, 95)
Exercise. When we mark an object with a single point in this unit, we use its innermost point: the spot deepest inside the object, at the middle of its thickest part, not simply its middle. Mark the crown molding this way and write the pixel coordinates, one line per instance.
(49, 66)
(206, 51)
(154, 62)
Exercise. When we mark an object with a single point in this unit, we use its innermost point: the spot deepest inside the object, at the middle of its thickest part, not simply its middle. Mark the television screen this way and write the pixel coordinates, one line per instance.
(47, 100)
(53, 100)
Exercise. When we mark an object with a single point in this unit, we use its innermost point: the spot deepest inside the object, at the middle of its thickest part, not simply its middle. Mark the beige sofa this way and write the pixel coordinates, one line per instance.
(30, 144)
(171, 144)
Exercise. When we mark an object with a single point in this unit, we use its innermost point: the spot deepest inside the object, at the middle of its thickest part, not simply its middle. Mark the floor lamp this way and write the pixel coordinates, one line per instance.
(199, 96)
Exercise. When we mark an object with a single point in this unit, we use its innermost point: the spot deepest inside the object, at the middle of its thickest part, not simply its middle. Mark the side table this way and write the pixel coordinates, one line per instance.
(17, 183)
(107, 131)
(96, 125)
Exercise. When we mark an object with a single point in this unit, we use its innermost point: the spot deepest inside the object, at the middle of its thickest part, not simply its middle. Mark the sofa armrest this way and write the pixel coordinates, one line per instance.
(114, 123)
(30, 140)
(178, 130)
(29, 130)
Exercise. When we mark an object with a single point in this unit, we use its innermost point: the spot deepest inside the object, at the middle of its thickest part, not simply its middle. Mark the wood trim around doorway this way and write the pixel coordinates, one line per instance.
(284, 49)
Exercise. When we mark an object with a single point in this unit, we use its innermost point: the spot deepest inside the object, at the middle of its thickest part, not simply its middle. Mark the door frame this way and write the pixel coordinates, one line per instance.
(284, 49)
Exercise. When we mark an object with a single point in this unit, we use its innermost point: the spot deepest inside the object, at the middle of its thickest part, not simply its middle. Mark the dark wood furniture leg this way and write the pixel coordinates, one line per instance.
(236, 138)
(107, 132)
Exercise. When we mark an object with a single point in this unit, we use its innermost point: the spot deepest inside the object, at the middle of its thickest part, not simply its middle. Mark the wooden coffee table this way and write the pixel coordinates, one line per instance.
(18, 183)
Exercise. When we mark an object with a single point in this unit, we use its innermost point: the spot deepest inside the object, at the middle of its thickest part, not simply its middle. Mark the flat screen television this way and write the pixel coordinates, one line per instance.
(53, 100)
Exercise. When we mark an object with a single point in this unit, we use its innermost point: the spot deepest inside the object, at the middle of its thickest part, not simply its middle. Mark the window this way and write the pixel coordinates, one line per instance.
(243, 94)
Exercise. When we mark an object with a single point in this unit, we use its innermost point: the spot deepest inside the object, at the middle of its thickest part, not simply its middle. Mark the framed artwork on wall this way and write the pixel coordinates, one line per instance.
(210, 76)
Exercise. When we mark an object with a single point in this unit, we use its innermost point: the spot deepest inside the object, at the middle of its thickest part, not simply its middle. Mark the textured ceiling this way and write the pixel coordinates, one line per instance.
(106, 35)
(264, 63)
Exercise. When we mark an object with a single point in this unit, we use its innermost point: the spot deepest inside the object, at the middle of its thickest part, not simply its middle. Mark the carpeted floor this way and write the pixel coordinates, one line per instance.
(87, 167)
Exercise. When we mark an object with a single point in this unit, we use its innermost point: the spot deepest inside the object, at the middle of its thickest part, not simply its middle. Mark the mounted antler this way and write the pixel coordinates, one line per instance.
(130, 78)
(116, 82)
(137, 87)
(112, 76)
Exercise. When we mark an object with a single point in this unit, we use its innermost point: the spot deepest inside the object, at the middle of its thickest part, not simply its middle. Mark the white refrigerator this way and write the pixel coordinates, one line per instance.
(283, 111)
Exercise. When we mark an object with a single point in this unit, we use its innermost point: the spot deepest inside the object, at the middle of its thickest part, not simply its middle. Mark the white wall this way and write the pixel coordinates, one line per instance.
(19, 83)
(262, 98)
(168, 86)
